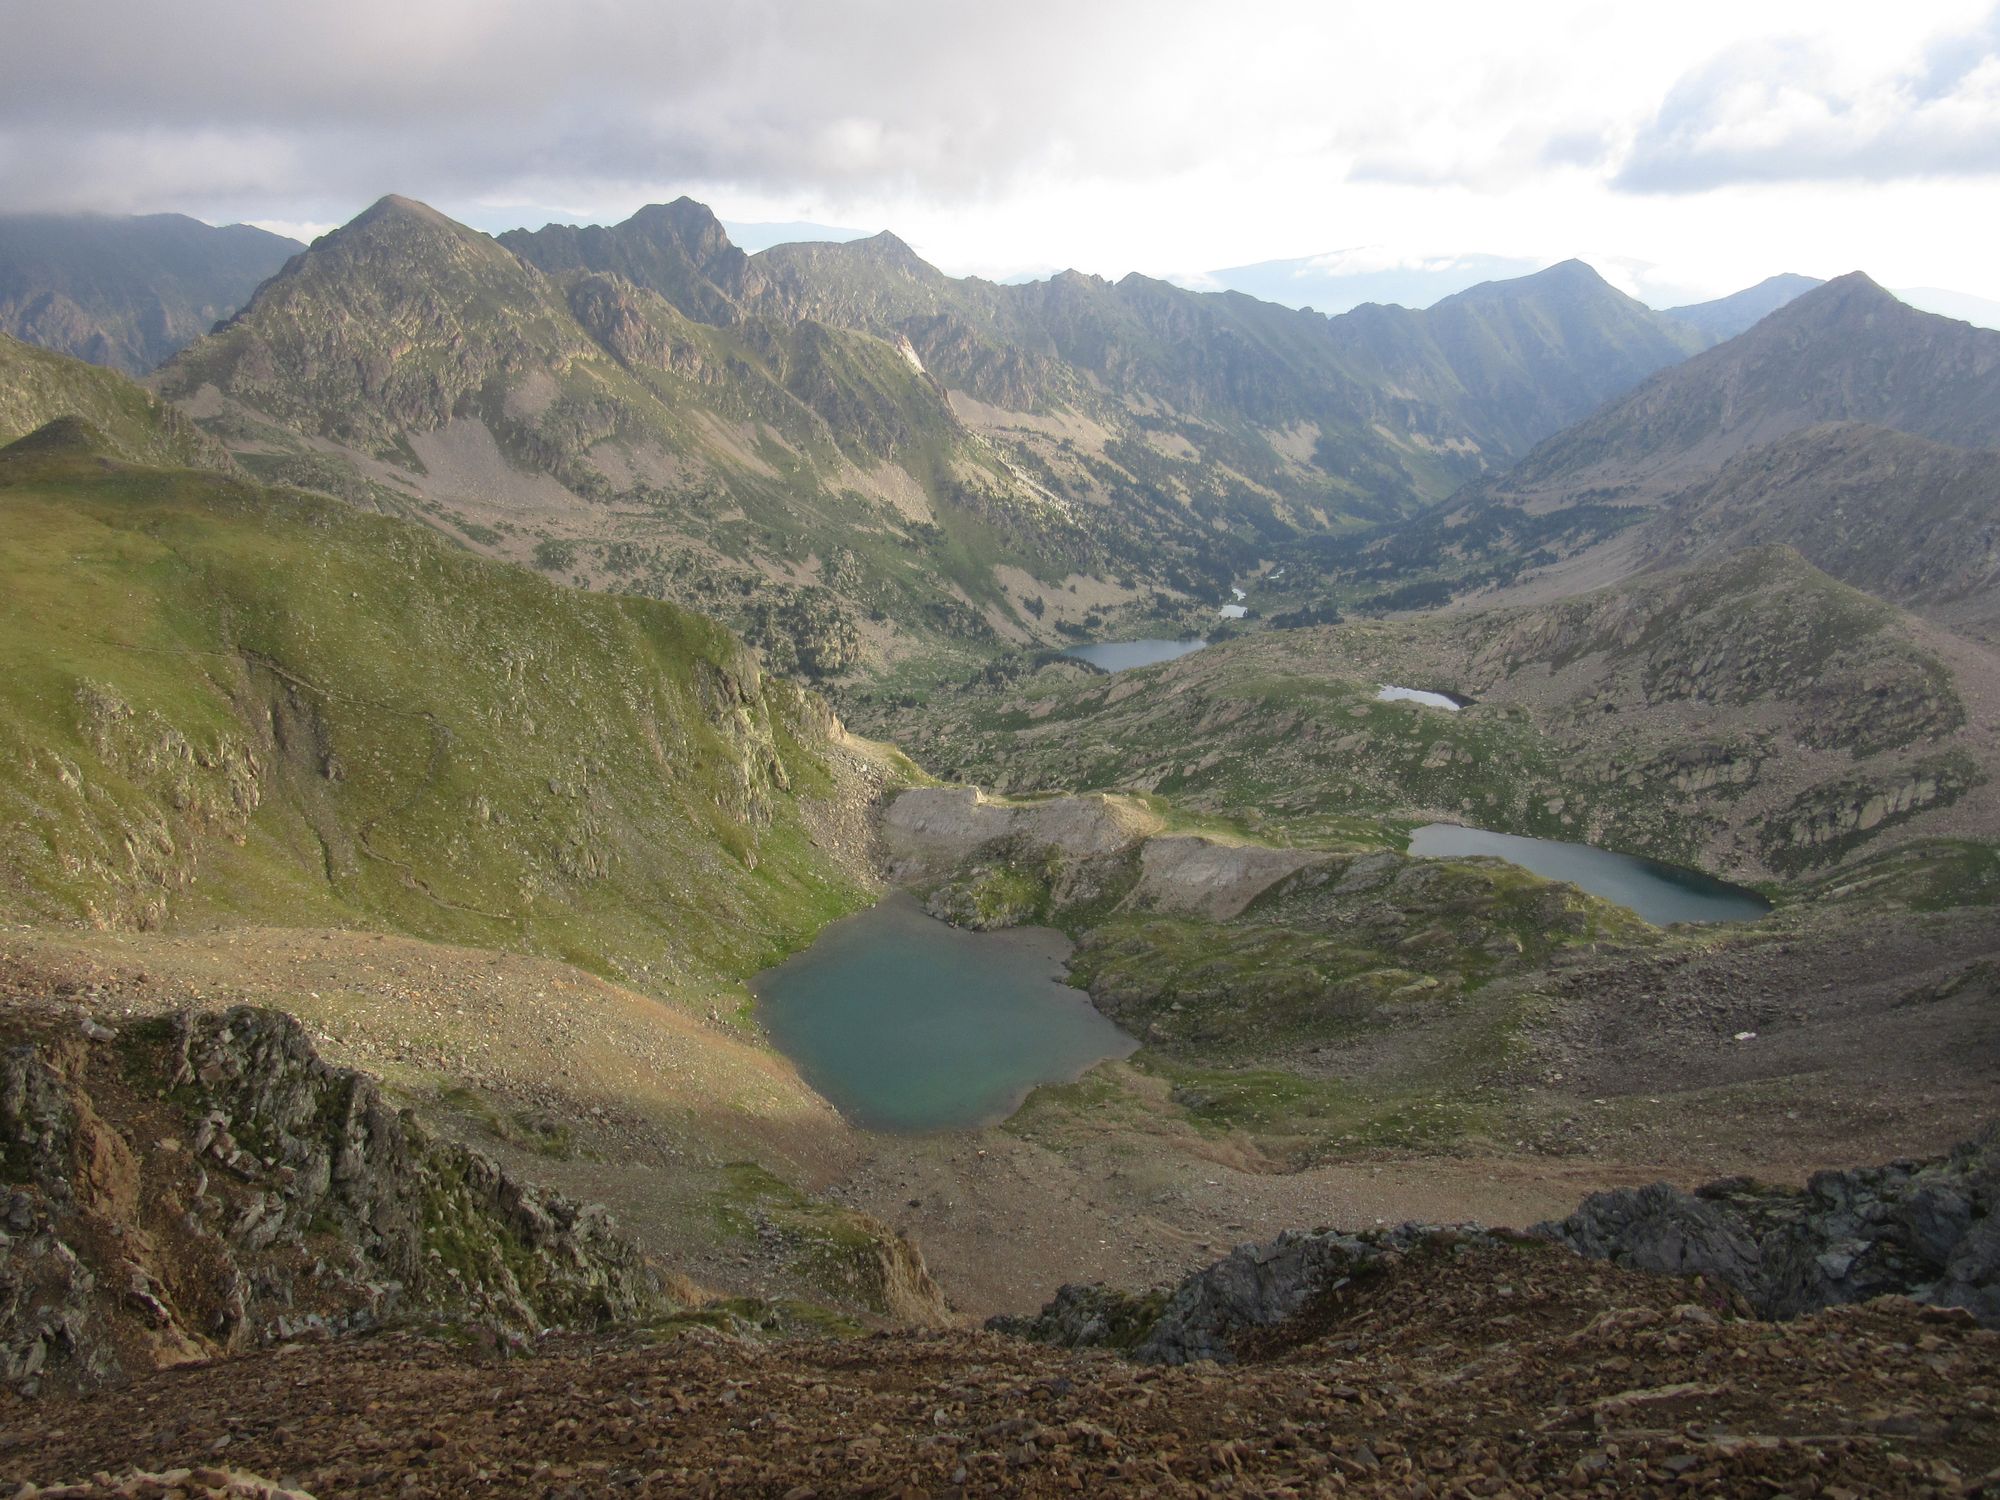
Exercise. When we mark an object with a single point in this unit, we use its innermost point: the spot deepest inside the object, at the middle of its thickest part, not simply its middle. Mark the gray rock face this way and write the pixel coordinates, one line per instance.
(1920, 1229)
(1253, 1287)
(193, 1186)
(931, 830)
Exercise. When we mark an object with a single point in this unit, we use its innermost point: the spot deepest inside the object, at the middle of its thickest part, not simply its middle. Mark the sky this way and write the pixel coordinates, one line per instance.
(1684, 150)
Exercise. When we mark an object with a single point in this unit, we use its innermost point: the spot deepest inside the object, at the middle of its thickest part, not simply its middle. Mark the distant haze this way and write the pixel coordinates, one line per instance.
(755, 237)
(1687, 151)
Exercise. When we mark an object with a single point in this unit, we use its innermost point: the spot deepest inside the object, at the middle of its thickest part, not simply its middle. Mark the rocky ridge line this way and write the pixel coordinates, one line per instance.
(1926, 1231)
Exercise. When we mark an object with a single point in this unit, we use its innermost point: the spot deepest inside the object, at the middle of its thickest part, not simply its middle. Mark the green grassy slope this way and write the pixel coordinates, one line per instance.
(37, 386)
(220, 702)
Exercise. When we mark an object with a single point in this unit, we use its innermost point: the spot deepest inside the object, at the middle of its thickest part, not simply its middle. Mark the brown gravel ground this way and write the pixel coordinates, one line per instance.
(1509, 1371)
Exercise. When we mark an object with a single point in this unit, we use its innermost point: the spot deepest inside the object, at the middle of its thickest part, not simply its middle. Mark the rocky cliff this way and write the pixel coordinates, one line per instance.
(197, 1185)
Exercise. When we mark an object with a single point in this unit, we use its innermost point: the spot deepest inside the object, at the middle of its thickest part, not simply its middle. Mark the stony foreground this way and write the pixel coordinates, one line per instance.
(1502, 1369)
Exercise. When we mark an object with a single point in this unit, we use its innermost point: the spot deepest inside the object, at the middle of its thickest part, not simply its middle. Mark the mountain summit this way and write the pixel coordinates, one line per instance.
(386, 324)
(1725, 317)
(677, 249)
(1521, 359)
(1847, 351)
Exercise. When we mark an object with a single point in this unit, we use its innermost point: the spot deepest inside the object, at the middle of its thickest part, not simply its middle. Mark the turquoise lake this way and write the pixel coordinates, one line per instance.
(1659, 893)
(1117, 656)
(908, 1024)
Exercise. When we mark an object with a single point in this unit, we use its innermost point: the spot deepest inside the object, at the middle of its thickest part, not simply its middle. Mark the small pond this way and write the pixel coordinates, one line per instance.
(1389, 693)
(1659, 893)
(908, 1024)
(1116, 656)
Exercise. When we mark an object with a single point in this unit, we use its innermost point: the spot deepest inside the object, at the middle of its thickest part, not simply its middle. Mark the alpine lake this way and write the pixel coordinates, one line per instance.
(1660, 893)
(1120, 656)
(910, 1025)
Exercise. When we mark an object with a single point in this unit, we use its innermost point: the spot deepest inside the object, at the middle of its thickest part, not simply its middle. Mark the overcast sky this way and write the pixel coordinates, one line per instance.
(1685, 149)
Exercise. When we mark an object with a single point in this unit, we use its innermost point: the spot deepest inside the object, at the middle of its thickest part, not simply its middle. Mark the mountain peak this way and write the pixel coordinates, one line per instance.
(1858, 285)
(1568, 275)
(686, 217)
(1725, 317)
(888, 250)
(394, 207)
(1855, 295)
(393, 224)
(1573, 278)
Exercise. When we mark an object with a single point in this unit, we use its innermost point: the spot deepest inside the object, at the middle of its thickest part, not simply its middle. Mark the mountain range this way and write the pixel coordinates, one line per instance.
(1846, 424)
(388, 853)
(1344, 279)
(127, 292)
(853, 456)
(857, 459)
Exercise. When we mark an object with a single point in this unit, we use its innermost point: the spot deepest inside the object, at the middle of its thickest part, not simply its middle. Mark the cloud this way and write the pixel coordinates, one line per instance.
(1787, 110)
(460, 98)
(1114, 135)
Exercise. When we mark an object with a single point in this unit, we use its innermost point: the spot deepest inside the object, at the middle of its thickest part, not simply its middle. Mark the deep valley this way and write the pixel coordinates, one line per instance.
(446, 709)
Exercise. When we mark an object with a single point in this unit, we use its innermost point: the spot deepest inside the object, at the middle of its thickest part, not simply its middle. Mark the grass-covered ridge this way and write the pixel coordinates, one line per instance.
(220, 702)
(37, 387)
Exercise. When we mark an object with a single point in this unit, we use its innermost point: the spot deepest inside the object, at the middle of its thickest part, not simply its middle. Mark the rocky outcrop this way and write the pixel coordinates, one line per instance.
(1927, 1230)
(205, 1183)
(1187, 873)
(1820, 825)
(995, 864)
(930, 831)
(1253, 1287)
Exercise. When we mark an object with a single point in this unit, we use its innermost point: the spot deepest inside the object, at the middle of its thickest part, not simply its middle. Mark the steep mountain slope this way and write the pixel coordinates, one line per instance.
(1518, 359)
(223, 702)
(643, 407)
(1725, 317)
(127, 292)
(38, 387)
(1904, 518)
(1052, 369)
(1123, 393)
(1391, 402)
(587, 425)
(388, 324)
(1845, 352)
